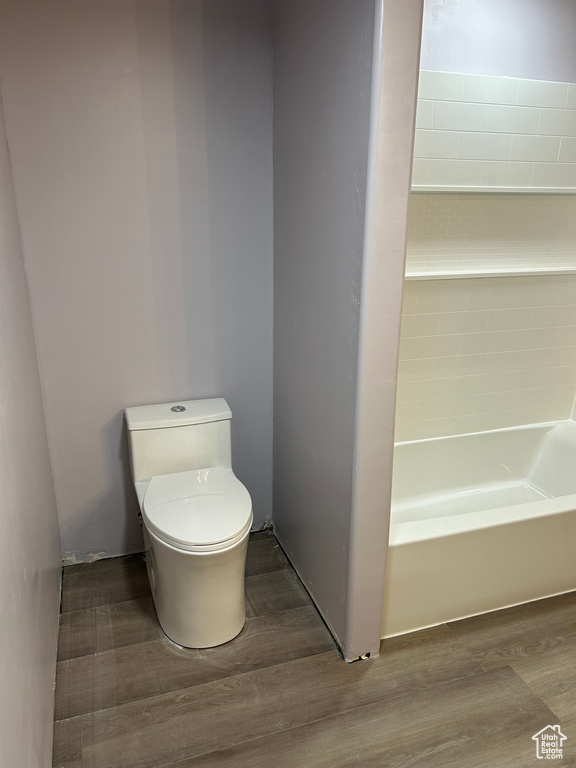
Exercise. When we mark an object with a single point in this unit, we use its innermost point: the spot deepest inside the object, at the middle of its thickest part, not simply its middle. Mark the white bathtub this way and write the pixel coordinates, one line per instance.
(480, 522)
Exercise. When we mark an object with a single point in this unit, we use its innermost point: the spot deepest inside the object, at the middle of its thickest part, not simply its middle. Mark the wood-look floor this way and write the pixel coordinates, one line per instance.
(465, 695)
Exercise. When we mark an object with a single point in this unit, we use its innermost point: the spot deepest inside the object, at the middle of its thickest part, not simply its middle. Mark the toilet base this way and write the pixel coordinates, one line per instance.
(199, 597)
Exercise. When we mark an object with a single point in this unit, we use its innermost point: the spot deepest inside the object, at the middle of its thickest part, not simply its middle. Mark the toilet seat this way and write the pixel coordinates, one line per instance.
(200, 510)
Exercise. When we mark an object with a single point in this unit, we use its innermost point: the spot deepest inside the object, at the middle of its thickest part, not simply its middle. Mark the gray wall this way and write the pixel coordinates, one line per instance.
(141, 139)
(29, 545)
(533, 39)
(322, 80)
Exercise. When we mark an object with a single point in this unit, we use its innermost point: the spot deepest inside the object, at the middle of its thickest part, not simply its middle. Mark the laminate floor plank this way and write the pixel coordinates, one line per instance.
(107, 627)
(78, 633)
(111, 678)
(134, 621)
(114, 580)
(67, 747)
(467, 695)
(568, 728)
(552, 677)
(482, 721)
(501, 637)
(274, 591)
(263, 702)
(264, 554)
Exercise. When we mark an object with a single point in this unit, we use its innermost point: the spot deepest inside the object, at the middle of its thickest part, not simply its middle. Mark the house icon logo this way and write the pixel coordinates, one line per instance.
(549, 743)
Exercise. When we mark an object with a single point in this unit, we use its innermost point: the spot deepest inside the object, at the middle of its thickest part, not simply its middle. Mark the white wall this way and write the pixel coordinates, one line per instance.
(532, 39)
(141, 142)
(29, 545)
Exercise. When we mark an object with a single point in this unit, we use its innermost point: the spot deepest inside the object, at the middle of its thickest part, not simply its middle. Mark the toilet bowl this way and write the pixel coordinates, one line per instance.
(197, 517)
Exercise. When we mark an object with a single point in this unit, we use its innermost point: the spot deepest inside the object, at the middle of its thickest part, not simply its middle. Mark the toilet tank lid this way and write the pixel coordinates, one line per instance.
(187, 412)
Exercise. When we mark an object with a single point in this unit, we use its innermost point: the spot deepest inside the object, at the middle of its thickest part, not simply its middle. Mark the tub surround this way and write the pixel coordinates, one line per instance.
(484, 496)
(498, 350)
(483, 131)
(487, 521)
(475, 234)
(463, 273)
(486, 354)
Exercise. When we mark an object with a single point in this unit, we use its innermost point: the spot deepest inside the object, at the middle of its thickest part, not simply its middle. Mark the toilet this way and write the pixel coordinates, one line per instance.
(197, 517)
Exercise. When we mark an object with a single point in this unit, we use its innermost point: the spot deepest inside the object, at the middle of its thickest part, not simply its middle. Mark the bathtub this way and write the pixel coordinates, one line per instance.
(480, 522)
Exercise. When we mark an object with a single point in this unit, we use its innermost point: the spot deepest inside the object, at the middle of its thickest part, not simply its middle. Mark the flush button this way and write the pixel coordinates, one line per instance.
(177, 408)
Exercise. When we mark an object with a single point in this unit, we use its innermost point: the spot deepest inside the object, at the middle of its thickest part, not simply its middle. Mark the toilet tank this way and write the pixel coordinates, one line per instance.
(175, 437)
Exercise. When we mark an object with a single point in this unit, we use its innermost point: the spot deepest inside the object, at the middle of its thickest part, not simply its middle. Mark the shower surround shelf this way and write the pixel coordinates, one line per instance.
(429, 188)
(459, 274)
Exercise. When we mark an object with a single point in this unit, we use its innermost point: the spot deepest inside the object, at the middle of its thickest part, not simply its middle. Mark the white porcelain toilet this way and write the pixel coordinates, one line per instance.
(197, 517)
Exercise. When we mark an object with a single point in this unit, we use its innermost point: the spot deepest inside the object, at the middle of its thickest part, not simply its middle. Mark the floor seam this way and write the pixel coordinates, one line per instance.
(275, 666)
(174, 764)
(190, 687)
(149, 596)
(519, 676)
(163, 636)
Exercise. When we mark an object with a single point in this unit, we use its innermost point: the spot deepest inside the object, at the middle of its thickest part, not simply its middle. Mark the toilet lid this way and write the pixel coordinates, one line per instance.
(197, 509)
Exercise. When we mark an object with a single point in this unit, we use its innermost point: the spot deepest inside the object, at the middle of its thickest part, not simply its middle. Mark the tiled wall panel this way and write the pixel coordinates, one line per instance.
(485, 131)
(482, 354)
(472, 232)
